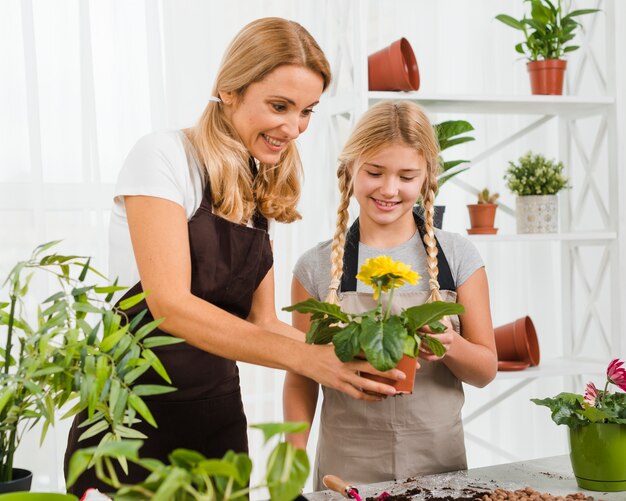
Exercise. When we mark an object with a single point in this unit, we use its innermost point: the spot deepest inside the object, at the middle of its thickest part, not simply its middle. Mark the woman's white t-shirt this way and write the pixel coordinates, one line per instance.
(159, 165)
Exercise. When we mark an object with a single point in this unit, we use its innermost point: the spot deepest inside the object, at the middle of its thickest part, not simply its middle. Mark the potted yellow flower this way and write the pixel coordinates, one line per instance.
(384, 339)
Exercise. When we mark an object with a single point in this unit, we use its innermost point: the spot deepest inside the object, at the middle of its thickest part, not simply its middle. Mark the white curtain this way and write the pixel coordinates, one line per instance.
(81, 81)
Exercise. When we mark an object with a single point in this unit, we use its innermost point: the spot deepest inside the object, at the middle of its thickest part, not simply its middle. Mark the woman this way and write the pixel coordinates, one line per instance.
(192, 210)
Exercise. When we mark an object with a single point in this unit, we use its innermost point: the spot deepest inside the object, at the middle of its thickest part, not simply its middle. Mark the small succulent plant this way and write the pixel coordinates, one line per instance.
(484, 197)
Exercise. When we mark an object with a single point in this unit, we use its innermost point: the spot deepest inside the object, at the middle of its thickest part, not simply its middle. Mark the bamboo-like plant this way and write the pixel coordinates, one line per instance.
(78, 350)
(190, 476)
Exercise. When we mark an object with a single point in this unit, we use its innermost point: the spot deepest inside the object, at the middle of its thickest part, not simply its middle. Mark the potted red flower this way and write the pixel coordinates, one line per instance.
(597, 431)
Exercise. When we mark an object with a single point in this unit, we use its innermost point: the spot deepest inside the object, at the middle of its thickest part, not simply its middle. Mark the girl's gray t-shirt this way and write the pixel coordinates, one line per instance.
(313, 268)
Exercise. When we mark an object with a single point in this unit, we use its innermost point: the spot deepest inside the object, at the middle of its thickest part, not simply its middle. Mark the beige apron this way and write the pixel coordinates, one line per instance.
(399, 437)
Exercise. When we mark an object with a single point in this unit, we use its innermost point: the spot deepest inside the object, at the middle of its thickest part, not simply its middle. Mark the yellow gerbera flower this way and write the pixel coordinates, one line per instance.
(383, 273)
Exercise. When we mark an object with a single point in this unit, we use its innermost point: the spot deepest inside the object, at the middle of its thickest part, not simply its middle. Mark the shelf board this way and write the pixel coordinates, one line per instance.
(546, 237)
(518, 105)
(555, 367)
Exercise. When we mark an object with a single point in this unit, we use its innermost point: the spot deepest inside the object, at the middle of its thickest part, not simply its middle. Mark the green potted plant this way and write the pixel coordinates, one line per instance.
(483, 213)
(536, 181)
(597, 431)
(547, 36)
(190, 476)
(449, 134)
(76, 349)
(384, 339)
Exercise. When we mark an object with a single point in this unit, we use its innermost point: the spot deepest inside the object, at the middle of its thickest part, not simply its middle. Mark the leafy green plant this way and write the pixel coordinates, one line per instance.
(382, 337)
(535, 175)
(548, 30)
(595, 406)
(485, 197)
(450, 133)
(77, 349)
(191, 476)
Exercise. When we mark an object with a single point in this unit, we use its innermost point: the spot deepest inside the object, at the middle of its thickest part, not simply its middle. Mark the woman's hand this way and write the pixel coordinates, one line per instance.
(446, 338)
(324, 367)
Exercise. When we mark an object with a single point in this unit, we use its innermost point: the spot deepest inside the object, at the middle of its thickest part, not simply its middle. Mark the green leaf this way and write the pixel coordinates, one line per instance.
(156, 364)
(44, 247)
(596, 415)
(218, 467)
(427, 313)
(185, 458)
(5, 397)
(434, 345)
(84, 271)
(109, 342)
(271, 429)
(581, 12)
(287, 471)
(318, 309)
(322, 331)
(347, 343)
(78, 464)
(153, 342)
(411, 346)
(133, 300)
(86, 308)
(139, 405)
(571, 48)
(148, 328)
(176, 479)
(383, 342)
(152, 389)
(510, 21)
(94, 430)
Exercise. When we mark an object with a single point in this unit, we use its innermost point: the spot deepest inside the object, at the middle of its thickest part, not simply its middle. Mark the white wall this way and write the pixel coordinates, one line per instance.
(80, 82)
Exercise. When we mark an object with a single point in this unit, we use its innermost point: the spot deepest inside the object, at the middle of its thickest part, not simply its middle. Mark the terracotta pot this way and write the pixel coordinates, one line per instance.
(546, 76)
(482, 218)
(517, 341)
(407, 365)
(393, 68)
(22, 480)
(598, 454)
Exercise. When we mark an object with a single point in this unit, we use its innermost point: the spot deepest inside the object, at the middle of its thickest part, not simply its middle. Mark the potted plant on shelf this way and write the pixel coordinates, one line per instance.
(77, 350)
(449, 133)
(597, 431)
(483, 213)
(536, 182)
(191, 476)
(547, 35)
(384, 338)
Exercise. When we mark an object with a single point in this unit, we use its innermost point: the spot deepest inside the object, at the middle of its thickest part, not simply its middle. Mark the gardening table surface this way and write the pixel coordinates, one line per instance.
(552, 474)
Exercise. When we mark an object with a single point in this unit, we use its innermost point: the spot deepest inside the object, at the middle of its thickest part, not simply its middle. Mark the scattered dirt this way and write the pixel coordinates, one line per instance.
(472, 494)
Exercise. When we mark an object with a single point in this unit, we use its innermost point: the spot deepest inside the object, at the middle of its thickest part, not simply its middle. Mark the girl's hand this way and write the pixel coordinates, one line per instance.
(446, 338)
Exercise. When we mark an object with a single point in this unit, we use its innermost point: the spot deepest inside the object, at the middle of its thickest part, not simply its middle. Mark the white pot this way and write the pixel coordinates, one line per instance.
(537, 214)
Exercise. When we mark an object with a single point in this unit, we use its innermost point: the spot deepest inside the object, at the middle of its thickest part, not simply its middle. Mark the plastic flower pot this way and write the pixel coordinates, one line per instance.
(22, 480)
(598, 454)
(517, 341)
(546, 76)
(393, 68)
(408, 365)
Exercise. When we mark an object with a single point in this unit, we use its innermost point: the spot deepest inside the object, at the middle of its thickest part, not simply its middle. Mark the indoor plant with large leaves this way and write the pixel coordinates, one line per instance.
(382, 337)
(77, 351)
(189, 476)
(597, 430)
(548, 34)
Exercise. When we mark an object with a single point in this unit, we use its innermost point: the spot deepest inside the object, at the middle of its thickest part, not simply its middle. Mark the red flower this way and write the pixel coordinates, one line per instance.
(591, 393)
(616, 374)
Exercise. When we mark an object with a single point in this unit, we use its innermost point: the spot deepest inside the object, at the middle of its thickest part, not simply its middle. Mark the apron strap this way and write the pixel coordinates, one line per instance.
(258, 220)
(351, 259)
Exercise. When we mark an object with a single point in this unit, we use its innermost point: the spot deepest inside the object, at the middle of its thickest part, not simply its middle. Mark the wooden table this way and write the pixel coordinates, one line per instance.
(551, 474)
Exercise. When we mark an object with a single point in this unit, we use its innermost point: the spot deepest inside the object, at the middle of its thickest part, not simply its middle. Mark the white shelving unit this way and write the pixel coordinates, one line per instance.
(608, 235)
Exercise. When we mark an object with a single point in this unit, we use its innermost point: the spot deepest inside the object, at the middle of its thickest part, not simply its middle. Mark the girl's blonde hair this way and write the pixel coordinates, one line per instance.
(385, 124)
(258, 49)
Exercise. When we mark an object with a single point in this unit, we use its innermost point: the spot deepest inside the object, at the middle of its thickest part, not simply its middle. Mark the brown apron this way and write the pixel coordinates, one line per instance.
(399, 437)
(228, 263)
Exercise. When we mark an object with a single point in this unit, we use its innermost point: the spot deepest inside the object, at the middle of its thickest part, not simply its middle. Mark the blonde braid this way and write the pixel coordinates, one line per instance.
(431, 246)
(339, 238)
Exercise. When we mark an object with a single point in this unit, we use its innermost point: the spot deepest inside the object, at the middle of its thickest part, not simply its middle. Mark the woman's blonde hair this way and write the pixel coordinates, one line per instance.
(385, 124)
(258, 49)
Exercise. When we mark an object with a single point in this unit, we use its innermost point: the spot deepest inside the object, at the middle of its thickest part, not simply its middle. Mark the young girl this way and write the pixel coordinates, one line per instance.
(389, 162)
